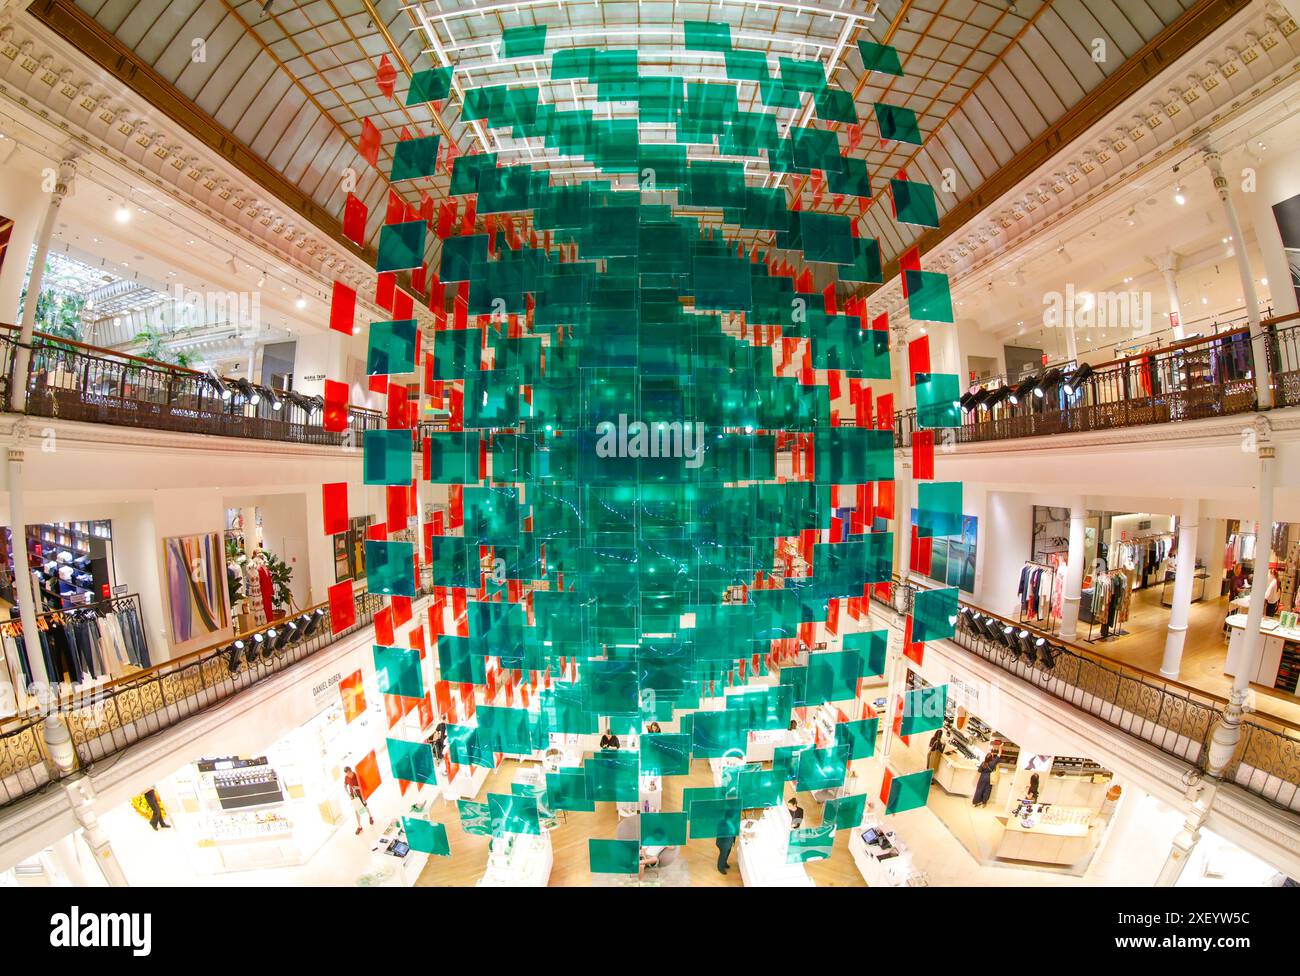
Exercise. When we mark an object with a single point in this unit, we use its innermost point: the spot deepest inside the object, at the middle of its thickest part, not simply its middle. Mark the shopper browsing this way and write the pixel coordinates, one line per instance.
(936, 752)
(984, 783)
(352, 784)
(796, 812)
(724, 851)
(609, 740)
(1271, 597)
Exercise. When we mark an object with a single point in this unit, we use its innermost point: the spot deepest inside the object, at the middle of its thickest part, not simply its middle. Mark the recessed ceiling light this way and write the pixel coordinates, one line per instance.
(301, 302)
(122, 215)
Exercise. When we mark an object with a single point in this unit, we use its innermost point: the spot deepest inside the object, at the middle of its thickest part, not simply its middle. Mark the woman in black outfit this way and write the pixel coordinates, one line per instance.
(984, 784)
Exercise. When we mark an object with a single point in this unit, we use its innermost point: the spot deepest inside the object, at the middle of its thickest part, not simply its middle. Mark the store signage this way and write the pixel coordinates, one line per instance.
(965, 693)
(322, 692)
(314, 378)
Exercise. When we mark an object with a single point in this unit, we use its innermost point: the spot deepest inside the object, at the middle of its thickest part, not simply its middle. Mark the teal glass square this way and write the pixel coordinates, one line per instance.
(401, 246)
(938, 400)
(844, 812)
(412, 761)
(462, 257)
(785, 761)
(566, 789)
(760, 788)
(806, 75)
(880, 57)
(390, 567)
(860, 735)
(929, 297)
(414, 159)
(429, 85)
(453, 457)
(613, 777)
(613, 686)
(398, 671)
(718, 734)
(923, 710)
(475, 818)
(386, 457)
(391, 347)
(835, 105)
(898, 124)
(523, 42)
(663, 829)
(915, 203)
(614, 856)
(666, 753)
(810, 844)
(938, 509)
(822, 769)
(426, 836)
(703, 35)
(832, 676)
(467, 749)
(512, 814)
(871, 646)
(715, 818)
(909, 792)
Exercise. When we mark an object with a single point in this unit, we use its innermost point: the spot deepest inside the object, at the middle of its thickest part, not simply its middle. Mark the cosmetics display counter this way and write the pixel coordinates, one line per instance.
(1049, 834)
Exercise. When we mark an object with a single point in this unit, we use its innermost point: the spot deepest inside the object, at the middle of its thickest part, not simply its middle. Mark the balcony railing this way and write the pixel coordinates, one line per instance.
(73, 381)
(1173, 717)
(107, 718)
(1211, 376)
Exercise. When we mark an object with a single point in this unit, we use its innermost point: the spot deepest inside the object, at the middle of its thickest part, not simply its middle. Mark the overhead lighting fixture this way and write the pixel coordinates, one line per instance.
(1077, 379)
(301, 302)
(1063, 254)
(233, 265)
(261, 279)
(122, 215)
(1179, 198)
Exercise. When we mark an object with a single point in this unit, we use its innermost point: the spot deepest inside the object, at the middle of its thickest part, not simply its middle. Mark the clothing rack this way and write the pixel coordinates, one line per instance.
(1106, 633)
(1050, 617)
(1144, 542)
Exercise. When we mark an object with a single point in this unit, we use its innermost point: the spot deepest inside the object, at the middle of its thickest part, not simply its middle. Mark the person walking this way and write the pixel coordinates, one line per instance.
(724, 851)
(158, 819)
(352, 784)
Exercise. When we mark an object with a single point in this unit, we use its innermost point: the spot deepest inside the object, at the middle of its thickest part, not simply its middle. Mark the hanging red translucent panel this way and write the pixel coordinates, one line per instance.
(386, 76)
(923, 455)
(384, 636)
(385, 289)
(335, 417)
(354, 220)
(335, 505)
(910, 260)
(369, 144)
(343, 308)
(396, 507)
(401, 609)
(918, 358)
(343, 609)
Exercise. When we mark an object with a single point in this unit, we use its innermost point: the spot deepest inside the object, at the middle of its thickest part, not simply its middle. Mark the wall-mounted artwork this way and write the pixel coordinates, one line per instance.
(196, 586)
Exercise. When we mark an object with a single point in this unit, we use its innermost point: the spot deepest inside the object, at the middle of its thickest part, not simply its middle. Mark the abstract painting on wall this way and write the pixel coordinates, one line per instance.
(196, 586)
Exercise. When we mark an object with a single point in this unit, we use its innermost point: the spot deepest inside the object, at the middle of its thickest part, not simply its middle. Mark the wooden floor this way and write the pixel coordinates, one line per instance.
(569, 842)
(1205, 649)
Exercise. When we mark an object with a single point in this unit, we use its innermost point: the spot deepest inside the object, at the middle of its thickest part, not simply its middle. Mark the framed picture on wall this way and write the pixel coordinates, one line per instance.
(196, 586)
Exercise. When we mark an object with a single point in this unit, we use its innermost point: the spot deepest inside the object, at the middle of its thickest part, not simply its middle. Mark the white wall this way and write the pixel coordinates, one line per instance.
(1006, 538)
(21, 200)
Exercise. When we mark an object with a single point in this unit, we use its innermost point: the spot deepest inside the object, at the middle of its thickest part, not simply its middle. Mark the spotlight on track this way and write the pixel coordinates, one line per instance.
(1077, 379)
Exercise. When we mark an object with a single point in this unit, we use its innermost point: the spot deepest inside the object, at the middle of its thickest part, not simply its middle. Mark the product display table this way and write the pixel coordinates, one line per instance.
(761, 853)
(391, 869)
(1276, 639)
(762, 745)
(882, 866)
(518, 861)
(1050, 835)
(957, 774)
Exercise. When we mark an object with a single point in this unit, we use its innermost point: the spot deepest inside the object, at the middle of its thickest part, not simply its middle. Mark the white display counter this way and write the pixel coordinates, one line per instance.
(886, 863)
(957, 775)
(518, 861)
(1276, 638)
(761, 853)
(1051, 835)
(390, 867)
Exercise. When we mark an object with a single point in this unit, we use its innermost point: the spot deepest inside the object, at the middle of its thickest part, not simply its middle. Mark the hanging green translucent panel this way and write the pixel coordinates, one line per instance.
(747, 66)
(613, 776)
(760, 788)
(567, 789)
(785, 759)
(866, 264)
(826, 237)
(914, 203)
(718, 734)
(390, 568)
(722, 283)
(426, 836)
(467, 748)
(475, 818)
(898, 124)
(612, 685)
(860, 735)
(401, 246)
(934, 614)
(835, 105)
(505, 729)
(391, 347)
(412, 761)
(429, 85)
(523, 42)
(397, 671)
(938, 509)
(923, 710)
(414, 158)
(809, 76)
(909, 792)
(821, 769)
(853, 455)
(852, 180)
(387, 458)
(844, 812)
(465, 173)
(462, 257)
(453, 457)
(663, 829)
(457, 660)
(880, 57)
(703, 35)
(810, 844)
(666, 754)
(833, 676)
(816, 148)
(938, 400)
(614, 856)
(764, 709)
(871, 647)
(715, 818)
(512, 814)
(928, 296)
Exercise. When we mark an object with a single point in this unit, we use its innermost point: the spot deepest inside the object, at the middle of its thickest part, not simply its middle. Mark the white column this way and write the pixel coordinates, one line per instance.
(1224, 737)
(1263, 390)
(1186, 838)
(1273, 187)
(81, 796)
(23, 354)
(1168, 265)
(22, 570)
(1075, 558)
(1184, 573)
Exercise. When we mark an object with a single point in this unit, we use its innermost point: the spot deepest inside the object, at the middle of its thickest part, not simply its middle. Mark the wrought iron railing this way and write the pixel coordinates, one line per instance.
(106, 719)
(1173, 717)
(73, 381)
(1206, 377)
(1284, 361)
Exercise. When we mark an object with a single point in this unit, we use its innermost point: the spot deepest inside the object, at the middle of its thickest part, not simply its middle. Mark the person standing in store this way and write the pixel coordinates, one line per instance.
(155, 808)
(352, 783)
(609, 740)
(984, 782)
(724, 851)
(1272, 598)
(936, 752)
(1236, 582)
(796, 812)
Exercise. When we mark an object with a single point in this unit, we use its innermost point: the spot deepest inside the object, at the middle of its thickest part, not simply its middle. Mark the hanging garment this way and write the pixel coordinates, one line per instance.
(268, 592)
